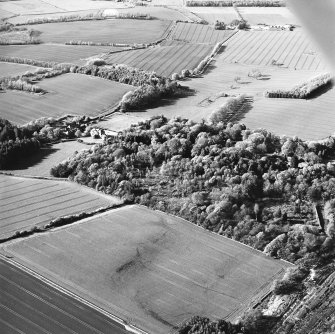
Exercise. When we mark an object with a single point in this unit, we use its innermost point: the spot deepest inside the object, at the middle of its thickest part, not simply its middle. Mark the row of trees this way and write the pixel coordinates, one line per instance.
(303, 90)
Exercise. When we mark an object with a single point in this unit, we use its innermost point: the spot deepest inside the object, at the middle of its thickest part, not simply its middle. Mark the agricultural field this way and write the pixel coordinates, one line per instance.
(151, 269)
(290, 49)
(104, 31)
(10, 69)
(47, 157)
(211, 14)
(75, 54)
(199, 33)
(268, 15)
(164, 60)
(75, 94)
(40, 201)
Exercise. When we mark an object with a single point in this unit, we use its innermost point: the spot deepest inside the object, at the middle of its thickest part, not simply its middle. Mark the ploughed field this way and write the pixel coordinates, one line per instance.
(290, 49)
(75, 94)
(29, 305)
(164, 60)
(151, 269)
(26, 203)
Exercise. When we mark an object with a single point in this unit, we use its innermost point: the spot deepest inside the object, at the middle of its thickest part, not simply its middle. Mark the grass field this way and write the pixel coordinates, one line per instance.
(58, 53)
(290, 48)
(164, 60)
(10, 69)
(149, 268)
(199, 33)
(30, 202)
(41, 163)
(76, 94)
(104, 31)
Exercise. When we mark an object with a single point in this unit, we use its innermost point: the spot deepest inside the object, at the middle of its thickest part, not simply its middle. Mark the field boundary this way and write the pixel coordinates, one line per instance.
(223, 236)
(128, 327)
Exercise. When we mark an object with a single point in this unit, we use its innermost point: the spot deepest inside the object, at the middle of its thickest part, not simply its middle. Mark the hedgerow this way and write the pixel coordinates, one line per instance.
(303, 90)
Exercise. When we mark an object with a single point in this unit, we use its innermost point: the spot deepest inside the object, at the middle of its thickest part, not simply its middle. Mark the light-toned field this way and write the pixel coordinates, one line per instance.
(268, 15)
(149, 268)
(5, 14)
(24, 7)
(75, 94)
(211, 14)
(104, 31)
(58, 53)
(292, 49)
(120, 121)
(164, 60)
(10, 69)
(41, 163)
(199, 33)
(32, 202)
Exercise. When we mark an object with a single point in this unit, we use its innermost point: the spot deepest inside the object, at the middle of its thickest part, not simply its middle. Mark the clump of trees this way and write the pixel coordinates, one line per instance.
(251, 186)
(230, 108)
(199, 325)
(303, 90)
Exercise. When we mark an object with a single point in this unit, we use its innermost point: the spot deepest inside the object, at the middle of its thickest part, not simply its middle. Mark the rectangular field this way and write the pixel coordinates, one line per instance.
(57, 53)
(28, 202)
(164, 60)
(104, 31)
(29, 305)
(211, 14)
(292, 49)
(199, 33)
(10, 69)
(150, 269)
(76, 94)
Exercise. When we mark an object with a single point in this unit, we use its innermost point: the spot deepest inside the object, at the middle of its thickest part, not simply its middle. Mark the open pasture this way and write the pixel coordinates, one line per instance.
(199, 33)
(104, 31)
(75, 94)
(151, 269)
(46, 158)
(164, 60)
(58, 53)
(11, 69)
(29, 202)
(211, 14)
(290, 49)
